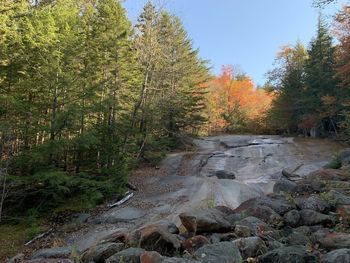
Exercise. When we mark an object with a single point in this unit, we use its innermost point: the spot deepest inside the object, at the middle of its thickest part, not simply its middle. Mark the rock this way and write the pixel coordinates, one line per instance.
(271, 245)
(211, 220)
(344, 156)
(278, 202)
(223, 252)
(170, 226)
(328, 175)
(288, 254)
(319, 234)
(118, 236)
(117, 215)
(305, 230)
(292, 218)
(312, 202)
(16, 259)
(250, 246)
(154, 257)
(194, 243)
(222, 174)
(57, 252)
(101, 252)
(335, 241)
(311, 217)
(338, 256)
(283, 185)
(80, 218)
(48, 260)
(344, 214)
(154, 237)
(309, 186)
(337, 198)
(255, 225)
(264, 213)
(130, 255)
(297, 238)
(243, 231)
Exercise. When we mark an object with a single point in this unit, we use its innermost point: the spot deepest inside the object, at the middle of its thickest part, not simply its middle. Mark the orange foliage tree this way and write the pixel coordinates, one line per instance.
(235, 105)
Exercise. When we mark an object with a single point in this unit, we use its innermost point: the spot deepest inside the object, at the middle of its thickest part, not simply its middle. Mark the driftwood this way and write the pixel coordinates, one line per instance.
(122, 201)
(38, 237)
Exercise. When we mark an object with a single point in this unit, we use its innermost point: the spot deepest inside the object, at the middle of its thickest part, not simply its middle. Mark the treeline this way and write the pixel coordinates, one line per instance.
(235, 105)
(312, 86)
(84, 95)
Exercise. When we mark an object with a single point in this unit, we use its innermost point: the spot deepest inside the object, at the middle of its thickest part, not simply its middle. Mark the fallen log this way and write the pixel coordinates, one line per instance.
(122, 201)
(38, 237)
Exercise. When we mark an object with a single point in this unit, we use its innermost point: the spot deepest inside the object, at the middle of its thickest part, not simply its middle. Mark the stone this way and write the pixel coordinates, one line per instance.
(205, 221)
(264, 213)
(309, 186)
(57, 252)
(250, 246)
(292, 218)
(155, 257)
(256, 226)
(154, 237)
(310, 217)
(339, 256)
(118, 236)
(328, 175)
(288, 254)
(344, 214)
(335, 240)
(101, 252)
(222, 174)
(117, 215)
(283, 185)
(337, 198)
(297, 238)
(48, 260)
(192, 244)
(223, 252)
(312, 202)
(16, 259)
(130, 255)
(243, 231)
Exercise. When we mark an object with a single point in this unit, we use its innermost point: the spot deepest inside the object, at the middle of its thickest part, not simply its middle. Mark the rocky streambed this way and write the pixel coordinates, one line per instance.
(236, 199)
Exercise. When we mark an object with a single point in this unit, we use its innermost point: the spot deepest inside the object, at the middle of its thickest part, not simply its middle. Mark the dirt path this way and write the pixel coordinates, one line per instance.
(249, 166)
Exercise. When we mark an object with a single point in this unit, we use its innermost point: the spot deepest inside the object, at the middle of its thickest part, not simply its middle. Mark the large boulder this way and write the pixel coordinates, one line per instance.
(101, 252)
(119, 236)
(335, 241)
(292, 218)
(250, 246)
(310, 217)
(192, 244)
(154, 237)
(339, 256)
(296, 238)
(223, 252)
(313, 202)
(297, 254)
(57, 252)
(205, 221)
(130, 255)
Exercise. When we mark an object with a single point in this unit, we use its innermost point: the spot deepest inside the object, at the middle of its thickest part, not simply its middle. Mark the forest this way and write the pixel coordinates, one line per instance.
(86, 96)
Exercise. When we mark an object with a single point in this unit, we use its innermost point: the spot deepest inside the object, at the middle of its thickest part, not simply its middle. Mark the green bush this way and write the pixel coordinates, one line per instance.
(335, 162)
